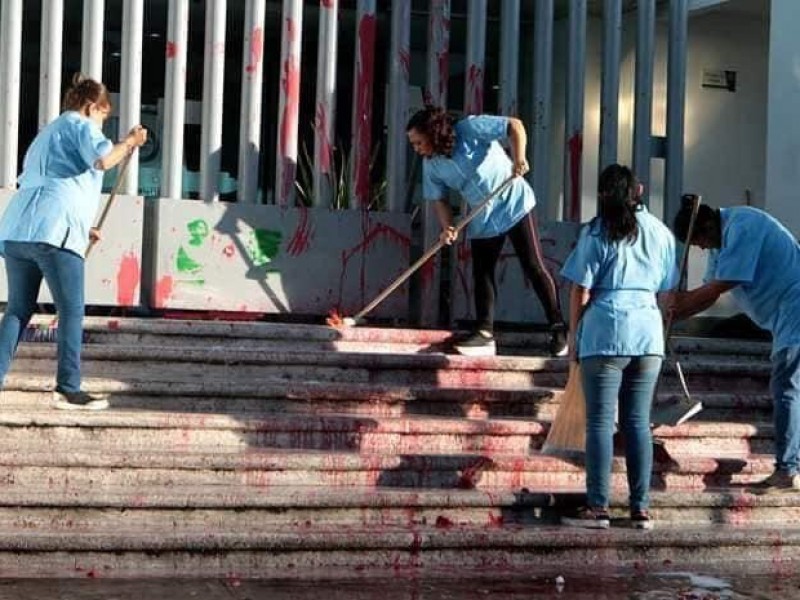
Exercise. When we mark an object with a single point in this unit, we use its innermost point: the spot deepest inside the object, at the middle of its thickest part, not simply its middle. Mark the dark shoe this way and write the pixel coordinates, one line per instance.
(780, 482)
(557, 344)
(588, 518)
(641, 519)
(79, 401)
(480, 343)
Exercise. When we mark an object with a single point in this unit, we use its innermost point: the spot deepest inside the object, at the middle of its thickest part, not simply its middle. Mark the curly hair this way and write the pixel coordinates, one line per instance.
(437, 125)
(620, 200)
(83, 91)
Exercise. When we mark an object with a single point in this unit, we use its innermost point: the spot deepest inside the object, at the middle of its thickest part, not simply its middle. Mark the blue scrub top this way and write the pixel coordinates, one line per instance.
(478, 166)
(763, 257)
(59, 189)
(623, 318)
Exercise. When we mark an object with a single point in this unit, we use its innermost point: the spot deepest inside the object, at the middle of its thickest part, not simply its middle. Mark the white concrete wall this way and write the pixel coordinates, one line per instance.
(783, 121)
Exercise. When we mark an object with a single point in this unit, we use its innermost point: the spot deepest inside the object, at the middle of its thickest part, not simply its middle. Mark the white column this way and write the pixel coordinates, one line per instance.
(325, 115)
(50, 61)
(92, 39)
(783, 126)
(213, 91)
(363, 83)
(130, 101)
(175, 99)
(10, 66)
(397, 142)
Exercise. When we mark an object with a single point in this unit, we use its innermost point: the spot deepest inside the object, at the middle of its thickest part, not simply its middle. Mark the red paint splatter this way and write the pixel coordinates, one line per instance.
(229, 251)
(172, 50)
(323, 141)
(328, 3)
(163, 291)
(365, 76)
(575, 148)
(290, 82)
(495, 520)
(113, 325)
(474, 104)
(303, 234)
(443, 523)
(256, 50)
(405, 62)
(128, 278)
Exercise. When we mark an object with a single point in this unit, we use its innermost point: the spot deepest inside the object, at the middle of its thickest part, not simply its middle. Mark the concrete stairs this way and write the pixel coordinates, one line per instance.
(264, 450)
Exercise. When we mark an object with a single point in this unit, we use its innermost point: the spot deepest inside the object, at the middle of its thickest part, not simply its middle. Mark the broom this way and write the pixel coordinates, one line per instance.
(49, 332)
(567, 435)
(338, 321)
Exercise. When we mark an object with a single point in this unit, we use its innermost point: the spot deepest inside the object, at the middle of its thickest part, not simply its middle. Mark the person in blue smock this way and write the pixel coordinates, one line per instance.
(624, 257)
(48, 224)
(465, 155)
(757, 259)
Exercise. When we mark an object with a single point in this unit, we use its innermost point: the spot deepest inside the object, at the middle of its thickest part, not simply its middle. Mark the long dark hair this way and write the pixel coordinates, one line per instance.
(437, 125)
(620, 200)
(85, 91)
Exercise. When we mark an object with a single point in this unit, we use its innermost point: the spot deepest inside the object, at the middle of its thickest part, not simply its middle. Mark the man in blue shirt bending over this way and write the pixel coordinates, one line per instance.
(758, 261)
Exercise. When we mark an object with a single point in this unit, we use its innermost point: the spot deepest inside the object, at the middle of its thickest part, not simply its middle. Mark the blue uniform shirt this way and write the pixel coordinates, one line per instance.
(59, 189)
(478, 166)
(623, 318)
(763, 257)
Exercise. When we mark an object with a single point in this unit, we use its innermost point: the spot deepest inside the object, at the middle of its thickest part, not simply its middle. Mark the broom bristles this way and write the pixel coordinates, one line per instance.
(567, 435)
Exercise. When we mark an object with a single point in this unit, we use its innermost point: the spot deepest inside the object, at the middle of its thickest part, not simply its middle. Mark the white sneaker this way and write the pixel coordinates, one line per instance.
(79, 401)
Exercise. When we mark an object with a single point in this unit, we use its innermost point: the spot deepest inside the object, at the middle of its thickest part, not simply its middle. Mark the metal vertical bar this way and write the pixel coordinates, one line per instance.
(50, 61)
(609, 86)
(509, 56)
(213, 91)
(289, 104)
(10, 67)
(175, 99)
(250, 120)
(438, 53)
(542, 99)
(676, 100)
(573, 141)
(92, 39)
(643, 109)
(325, 114)
(399, 70)
(475, 56)
(363, 83)
(130, 101)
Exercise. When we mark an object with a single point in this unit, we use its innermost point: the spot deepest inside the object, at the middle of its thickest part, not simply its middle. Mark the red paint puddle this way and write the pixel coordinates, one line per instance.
(443, 523)
(128, 278)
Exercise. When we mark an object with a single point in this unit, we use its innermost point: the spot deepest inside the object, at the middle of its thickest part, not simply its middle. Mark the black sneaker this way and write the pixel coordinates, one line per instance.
(641, 519)
(588, 518)
(480, 343)
(79, 401)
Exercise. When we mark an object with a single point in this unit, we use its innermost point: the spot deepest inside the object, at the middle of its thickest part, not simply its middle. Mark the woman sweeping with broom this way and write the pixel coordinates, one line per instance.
(623, 258)
(48, 224)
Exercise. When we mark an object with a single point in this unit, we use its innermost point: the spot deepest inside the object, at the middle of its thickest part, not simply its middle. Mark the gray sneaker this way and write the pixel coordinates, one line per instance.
(79, 401)
(779, 482)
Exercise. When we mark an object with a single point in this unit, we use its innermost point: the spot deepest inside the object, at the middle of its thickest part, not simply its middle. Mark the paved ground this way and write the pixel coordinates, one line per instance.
(679, 586)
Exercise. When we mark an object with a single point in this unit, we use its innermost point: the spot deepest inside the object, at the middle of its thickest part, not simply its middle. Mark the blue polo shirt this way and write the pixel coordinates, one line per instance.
(59, 189)
(623, 318)
(478, 166)
(763, 257)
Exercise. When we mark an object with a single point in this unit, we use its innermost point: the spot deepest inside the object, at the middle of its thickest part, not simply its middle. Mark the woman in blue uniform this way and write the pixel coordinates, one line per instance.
(623, 258)
(47, 226)
(465, 156)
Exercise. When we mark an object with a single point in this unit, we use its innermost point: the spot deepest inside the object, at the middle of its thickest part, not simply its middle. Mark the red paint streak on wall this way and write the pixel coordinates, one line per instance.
(474, 90)
(363, 122)
(303, 234)
(405, 61)
(256, 50)
(128, 278)
(325, 146)
(163, 291)
(575, 148)
(172, 50)
(290, 82)
(229, 250)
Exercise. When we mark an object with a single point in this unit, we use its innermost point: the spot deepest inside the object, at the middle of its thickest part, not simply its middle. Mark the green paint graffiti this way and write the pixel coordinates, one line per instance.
(198, 231)
(263, 246)
(185, 263)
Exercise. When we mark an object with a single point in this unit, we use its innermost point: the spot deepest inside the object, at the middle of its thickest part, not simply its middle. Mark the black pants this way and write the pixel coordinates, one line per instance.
(485, 254)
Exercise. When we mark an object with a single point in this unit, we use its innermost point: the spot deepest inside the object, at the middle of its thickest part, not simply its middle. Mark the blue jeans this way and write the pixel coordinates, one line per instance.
(26, 264)
(631, 381)
(785, 389)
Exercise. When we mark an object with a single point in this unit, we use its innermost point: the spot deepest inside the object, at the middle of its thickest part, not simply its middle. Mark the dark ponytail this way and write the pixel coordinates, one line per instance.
(620, 200)
(85, 91)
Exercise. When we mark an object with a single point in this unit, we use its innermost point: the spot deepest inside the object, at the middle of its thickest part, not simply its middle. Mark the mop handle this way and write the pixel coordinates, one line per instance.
(433, 249)
(117, 185)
